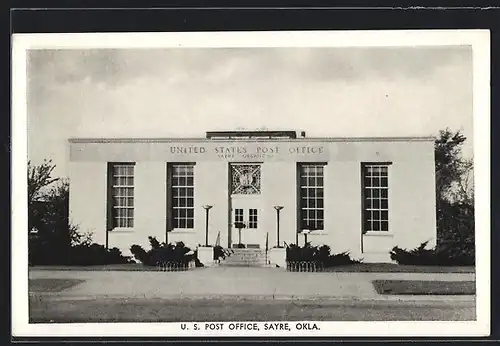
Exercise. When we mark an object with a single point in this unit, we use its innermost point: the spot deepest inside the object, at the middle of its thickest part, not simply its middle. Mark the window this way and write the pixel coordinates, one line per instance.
(238, 215)
(252, 218)
(122, 192)
(182, 192)
(311, 177)
(375, 197)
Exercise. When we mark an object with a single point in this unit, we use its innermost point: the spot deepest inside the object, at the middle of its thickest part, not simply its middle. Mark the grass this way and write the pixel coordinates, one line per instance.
(399, 268)
(52, 285)
(44, 310)
(105, 267)
(416, 287)
(358, 267)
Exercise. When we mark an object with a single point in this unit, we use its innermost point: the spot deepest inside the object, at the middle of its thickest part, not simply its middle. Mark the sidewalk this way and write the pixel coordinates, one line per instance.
(247, 283)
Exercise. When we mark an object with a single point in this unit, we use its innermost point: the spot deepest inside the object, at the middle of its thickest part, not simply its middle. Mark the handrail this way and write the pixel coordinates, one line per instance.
(267, 246)
(284, 243)
(217, 241)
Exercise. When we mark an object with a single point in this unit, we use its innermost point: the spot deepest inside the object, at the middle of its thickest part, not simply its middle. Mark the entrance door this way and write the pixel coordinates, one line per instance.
(245, 204)
(246, 222)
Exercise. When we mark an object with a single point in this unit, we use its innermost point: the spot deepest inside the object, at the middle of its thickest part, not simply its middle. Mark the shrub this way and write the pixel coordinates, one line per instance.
(162, 252)
(139, 253)
(297, 253)
(321, 254)
(49, 252)
(220, 252)
(96, 254)
(423, 256)
(339, 259)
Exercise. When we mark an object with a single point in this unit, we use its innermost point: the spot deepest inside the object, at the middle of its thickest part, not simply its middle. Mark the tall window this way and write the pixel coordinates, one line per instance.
(182, 192)
(311, 178)
(122, 190)
(376, 197)
(252, 218)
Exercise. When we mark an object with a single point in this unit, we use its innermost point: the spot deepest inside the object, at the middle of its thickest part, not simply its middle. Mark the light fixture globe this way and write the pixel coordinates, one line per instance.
(207, 206)
(278, 207)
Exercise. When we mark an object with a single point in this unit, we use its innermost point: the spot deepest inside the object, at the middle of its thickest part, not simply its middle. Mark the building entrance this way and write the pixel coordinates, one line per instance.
(246, 221)
(246, 205)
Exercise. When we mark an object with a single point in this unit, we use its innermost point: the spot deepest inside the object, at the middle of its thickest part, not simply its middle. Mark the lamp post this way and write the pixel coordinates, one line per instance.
(207, 207)
(239, 226)
(278, 209)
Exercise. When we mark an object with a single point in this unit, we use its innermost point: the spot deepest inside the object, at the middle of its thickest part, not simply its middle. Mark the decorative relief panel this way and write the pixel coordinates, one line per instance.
(245, 179)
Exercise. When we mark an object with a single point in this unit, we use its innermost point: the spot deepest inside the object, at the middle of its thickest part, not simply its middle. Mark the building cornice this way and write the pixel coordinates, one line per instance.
(232, 140)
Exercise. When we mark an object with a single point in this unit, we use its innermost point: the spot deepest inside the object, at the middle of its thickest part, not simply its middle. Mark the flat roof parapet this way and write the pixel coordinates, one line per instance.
(250, 134)
(205, 140)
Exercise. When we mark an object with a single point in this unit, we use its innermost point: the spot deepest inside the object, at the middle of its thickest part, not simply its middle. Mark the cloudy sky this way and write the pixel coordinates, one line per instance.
(177, 92)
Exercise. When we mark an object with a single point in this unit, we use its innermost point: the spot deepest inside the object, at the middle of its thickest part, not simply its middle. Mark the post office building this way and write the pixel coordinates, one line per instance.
(258, 188)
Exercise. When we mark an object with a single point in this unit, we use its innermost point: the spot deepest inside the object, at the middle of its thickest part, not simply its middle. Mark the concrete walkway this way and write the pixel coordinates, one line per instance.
(234, 281)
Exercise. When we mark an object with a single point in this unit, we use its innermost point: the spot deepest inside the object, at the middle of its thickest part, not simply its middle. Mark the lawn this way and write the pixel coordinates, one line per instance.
(43, 309)
(399, 268)
(104, 267)
(359, 268)
(416, 287)
(52, 285)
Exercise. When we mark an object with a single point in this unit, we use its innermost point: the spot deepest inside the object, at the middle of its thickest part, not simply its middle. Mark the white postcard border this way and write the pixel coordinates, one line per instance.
(479, 40)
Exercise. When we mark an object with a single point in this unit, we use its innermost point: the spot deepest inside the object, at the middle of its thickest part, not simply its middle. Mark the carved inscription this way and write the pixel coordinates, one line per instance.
(247, 152)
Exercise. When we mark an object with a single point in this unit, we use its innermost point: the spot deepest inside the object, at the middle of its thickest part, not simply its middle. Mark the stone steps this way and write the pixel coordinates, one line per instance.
(246, 258)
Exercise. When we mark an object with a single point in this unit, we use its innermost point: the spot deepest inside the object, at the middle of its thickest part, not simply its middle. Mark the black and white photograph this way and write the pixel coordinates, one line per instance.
(251, 184)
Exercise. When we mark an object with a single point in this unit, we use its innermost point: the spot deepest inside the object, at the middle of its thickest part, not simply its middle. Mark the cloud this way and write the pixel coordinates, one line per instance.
(184, 92)
(114, 66)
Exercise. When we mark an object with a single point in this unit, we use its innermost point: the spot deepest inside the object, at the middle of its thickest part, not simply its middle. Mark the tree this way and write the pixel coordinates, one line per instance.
(463, 187)
(56, 216)
(449, 163)
(39, 179)
(54, 234)
(454, 195)
(48, 215)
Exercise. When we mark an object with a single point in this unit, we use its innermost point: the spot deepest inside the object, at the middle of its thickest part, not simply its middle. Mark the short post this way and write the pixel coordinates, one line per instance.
(207, 207)
(278, 209)
(107, 239)
(305, 232)
(239, 226)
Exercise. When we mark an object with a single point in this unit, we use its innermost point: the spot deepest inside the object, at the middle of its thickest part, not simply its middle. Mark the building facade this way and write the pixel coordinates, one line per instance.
(362, 195)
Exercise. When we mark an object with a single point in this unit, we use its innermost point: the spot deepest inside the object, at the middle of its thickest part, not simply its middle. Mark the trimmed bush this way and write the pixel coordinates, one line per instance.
(96, 254)
(162, 252)
(319, 254)
(339, 259)
(436, 257)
